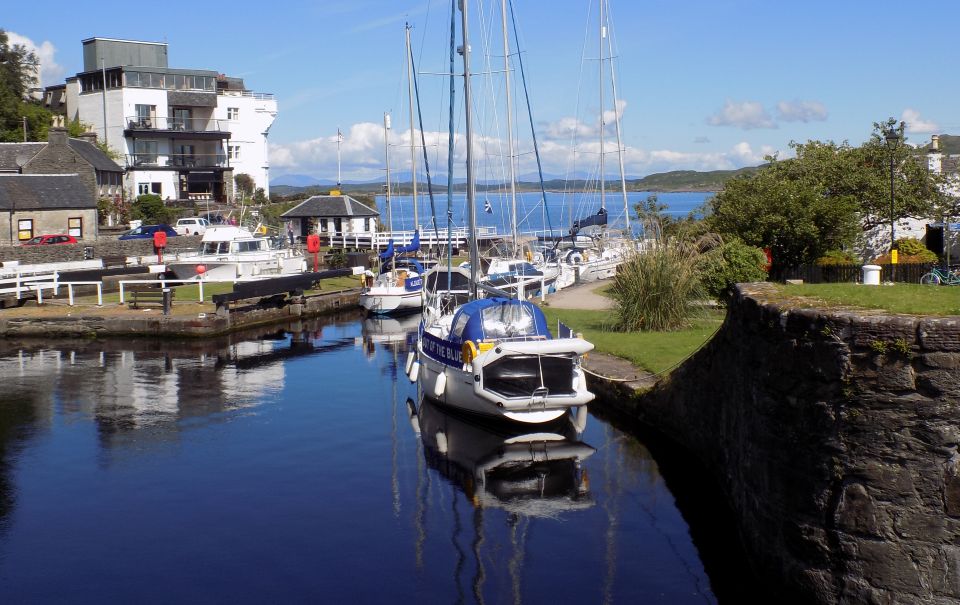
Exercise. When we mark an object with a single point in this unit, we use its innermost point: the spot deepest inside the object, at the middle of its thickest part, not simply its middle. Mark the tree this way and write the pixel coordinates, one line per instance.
(17, 76)
(150, 209)
(825, 197)
(245, 185)
(260, 196)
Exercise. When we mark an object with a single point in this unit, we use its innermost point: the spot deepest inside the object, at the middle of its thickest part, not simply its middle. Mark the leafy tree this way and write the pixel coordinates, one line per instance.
(245, 185)
(150, 209)
(260, 196)
(17, 76)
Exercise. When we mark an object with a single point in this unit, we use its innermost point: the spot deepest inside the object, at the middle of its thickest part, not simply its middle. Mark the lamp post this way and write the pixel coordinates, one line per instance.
(893, 140)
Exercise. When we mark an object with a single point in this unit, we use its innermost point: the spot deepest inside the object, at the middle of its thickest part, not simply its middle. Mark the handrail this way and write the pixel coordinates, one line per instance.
(174, 123)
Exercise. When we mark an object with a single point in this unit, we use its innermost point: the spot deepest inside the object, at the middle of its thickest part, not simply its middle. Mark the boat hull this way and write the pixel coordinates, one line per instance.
(390, 300)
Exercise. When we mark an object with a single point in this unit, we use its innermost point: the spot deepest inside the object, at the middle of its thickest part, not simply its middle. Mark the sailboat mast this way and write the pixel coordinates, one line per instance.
(513, 177)
(603, 33)
(468, 130)
(386, 156)
(616, 117)
(413, 145)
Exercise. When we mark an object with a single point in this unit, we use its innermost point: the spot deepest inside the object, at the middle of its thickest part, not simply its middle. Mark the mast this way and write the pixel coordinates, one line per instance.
(413, 146)
(468, 130)
(616, 117)
(506, 75)
(386, 156)
(603, 33)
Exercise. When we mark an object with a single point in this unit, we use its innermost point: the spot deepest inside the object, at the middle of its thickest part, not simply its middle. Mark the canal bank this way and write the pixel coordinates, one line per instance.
(189, 320)
(832, 435)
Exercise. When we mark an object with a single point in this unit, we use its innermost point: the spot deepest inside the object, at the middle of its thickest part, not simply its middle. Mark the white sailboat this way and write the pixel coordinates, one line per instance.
(493, 356)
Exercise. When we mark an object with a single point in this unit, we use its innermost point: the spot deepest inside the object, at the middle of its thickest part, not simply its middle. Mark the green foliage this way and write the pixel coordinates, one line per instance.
(17, 76)
(731, 263)
(245, 185)
(915, 250)
(838, 257)
(655, 290)
(260, 196)
(150, 209)
(367, 200)
(824, 198)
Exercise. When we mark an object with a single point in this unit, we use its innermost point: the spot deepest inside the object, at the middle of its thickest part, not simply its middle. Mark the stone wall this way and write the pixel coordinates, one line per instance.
(101, 248)
(835, 437)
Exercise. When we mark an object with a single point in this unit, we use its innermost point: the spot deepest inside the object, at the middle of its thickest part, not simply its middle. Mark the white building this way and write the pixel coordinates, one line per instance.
(182, 133)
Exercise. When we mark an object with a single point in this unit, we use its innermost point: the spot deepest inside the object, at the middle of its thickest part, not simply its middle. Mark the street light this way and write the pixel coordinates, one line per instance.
(893, 141)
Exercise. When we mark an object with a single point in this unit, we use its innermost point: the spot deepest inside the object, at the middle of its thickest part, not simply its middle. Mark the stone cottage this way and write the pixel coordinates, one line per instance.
(40, 204)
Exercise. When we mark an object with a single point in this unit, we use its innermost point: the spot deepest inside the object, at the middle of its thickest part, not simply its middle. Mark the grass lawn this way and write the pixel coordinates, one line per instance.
(913, 299)
(653, 351)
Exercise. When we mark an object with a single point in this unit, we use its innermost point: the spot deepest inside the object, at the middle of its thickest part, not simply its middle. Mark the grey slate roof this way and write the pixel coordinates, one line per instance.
(44, 192)
(329, 206)
(91, 153)
(15, 155)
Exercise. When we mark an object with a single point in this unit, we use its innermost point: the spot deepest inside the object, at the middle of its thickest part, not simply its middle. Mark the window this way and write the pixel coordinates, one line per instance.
(24, 229)
(145, 115)
(145, 152)
(75, 227)
(143, 188)
(155, 188)
(181, 119)
(233, 113)
(233, 152)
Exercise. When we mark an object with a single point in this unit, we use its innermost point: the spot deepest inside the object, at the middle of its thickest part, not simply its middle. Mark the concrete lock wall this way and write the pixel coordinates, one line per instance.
(835, 438)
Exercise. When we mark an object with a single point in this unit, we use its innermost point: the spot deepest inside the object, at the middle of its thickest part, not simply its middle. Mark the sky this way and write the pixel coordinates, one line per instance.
(701, 84)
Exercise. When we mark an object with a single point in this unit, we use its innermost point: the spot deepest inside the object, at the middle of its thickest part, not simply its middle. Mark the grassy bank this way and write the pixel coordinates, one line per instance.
(652, 351)
(911, 299)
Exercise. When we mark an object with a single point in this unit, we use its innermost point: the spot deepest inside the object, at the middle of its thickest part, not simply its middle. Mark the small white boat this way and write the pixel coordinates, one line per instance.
(399, 286)
(233, 253)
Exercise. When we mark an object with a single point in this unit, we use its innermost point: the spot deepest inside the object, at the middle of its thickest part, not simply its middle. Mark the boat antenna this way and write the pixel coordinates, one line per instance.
(468, 130)
(413, 145)
(423, 146)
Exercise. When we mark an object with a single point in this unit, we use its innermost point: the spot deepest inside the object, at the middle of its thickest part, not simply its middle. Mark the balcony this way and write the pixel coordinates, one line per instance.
(156, 161)
(194, 128)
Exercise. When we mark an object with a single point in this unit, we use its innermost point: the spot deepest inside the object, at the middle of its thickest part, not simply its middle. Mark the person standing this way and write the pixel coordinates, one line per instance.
(290, 233)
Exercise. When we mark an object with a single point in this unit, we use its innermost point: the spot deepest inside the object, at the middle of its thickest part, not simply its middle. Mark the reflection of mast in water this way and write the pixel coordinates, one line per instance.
(611, 506)
(519, 526)
(479, 575)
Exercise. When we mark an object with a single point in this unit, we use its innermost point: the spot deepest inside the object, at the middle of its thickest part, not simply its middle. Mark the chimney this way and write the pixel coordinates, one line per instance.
(934, 143)
(90, 137)
(57, 136)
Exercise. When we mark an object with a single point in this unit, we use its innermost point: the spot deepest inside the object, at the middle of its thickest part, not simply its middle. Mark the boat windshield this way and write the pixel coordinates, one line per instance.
(215, 247)
(508, 321)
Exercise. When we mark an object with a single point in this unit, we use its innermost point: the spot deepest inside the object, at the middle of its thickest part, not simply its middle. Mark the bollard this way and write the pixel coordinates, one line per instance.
(167, 301)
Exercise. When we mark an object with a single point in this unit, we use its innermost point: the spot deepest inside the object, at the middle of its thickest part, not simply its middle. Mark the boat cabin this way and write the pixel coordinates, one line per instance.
(491, 319)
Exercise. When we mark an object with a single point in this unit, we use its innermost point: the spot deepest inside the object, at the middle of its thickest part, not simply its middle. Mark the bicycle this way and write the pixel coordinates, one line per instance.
(938, 277)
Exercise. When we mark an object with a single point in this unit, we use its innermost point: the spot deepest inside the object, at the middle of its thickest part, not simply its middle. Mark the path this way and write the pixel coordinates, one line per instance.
(583, 296)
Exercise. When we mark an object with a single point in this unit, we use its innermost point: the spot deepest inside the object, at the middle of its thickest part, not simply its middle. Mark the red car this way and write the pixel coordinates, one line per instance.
(56, 238)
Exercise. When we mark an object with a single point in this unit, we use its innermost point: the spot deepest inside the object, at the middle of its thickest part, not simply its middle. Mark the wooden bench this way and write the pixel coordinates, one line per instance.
(143, 294)
(114, 261)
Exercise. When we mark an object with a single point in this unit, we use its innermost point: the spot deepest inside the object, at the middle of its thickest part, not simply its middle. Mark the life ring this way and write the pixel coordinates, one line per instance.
(469, 352)
(574, 258)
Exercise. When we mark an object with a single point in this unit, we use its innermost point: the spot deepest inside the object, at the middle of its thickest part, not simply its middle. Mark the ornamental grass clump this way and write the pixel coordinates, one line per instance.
(657, 290)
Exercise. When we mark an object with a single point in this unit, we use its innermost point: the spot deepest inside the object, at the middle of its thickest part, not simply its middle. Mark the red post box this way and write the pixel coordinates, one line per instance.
(313, 247)
(159, 243)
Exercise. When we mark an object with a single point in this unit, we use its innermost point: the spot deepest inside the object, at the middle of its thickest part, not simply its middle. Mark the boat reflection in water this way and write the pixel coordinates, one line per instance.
(526, 470)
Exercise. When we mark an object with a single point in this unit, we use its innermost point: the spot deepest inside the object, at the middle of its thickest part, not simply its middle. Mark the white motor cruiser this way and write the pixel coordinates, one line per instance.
(234, 253)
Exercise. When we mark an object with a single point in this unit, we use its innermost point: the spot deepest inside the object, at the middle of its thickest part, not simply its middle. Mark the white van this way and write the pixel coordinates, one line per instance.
(193, 225)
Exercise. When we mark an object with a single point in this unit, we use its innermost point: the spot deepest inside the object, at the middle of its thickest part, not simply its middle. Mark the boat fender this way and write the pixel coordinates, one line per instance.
(414, 371)
(469, 352)
(441, 384)
(529, 257)
(574, 258)
(410, 357)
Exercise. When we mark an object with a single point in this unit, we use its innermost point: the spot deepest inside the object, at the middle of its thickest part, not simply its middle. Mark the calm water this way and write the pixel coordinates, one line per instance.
(286, 468)
(563, 209)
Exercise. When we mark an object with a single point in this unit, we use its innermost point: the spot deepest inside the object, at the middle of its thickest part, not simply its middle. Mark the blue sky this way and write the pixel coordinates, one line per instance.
(703, 84)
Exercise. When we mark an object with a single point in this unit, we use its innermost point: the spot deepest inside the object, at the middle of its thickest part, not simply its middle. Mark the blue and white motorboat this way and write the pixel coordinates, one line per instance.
(399, 285)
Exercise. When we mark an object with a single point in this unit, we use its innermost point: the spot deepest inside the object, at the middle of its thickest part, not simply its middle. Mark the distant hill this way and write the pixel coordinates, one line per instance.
(298, 180)
(949, 145)
(677, 180)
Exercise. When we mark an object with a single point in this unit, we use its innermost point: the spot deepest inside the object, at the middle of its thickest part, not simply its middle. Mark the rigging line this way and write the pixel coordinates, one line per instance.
(453, 88)
(423, 140)
(533, 132)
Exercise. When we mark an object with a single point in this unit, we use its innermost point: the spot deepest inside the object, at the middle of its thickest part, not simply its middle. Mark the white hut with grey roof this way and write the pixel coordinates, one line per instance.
(332, 215)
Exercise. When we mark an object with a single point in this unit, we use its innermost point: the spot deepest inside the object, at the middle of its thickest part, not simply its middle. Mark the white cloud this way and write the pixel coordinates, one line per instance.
(362, 155)
(916, 124)
(49, 71)
(746, 115)
(801, 111)
(570, 128)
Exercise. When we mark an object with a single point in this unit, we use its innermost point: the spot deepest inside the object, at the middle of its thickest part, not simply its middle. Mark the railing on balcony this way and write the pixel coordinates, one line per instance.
(175, 124)
(194, 160)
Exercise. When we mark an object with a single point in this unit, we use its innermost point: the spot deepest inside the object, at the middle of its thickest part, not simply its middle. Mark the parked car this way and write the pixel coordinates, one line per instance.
(55, 238)
(193, 225)
(147, 231)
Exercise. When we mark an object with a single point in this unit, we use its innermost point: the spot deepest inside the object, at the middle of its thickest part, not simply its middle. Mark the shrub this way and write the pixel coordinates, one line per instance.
(654, 290)
(838, 257)
(730, 263)
(150, 209)
(911, 250)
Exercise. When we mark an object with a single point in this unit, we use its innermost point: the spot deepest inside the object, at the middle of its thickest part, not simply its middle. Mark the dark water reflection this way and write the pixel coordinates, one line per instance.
(289, 465)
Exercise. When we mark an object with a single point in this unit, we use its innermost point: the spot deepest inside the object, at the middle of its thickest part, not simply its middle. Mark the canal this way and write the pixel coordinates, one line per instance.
(299, 464)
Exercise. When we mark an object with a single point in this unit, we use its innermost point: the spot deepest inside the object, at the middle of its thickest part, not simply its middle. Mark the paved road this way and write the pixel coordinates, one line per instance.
(581, 297)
